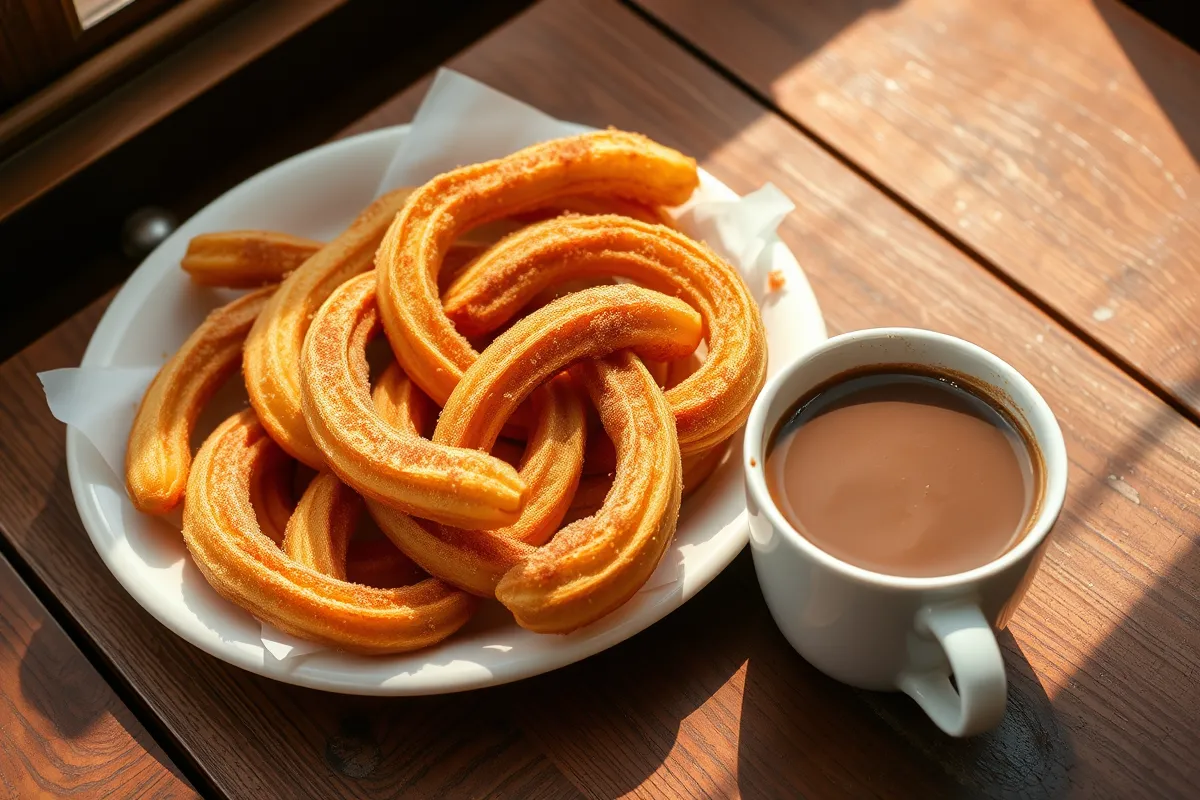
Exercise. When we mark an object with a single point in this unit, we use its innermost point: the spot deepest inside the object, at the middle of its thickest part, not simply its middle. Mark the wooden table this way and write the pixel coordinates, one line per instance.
(1020, 174)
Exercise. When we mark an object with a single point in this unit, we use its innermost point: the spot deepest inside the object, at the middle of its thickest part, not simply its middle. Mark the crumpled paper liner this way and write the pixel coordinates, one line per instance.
(460, 121)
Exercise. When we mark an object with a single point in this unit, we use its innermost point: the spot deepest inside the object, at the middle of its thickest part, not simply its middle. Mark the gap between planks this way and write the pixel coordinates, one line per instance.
(170, 744)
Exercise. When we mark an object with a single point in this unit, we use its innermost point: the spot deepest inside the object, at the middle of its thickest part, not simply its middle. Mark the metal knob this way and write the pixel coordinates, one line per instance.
(145, 230)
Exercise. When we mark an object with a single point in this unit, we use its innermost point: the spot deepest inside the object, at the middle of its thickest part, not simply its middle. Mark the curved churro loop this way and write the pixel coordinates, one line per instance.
(455, 485)
(272, 360)
(711, 403)
(613, 163)
(588, 323)
(271, 494)
(550, 467)
(159, 451)
(245, 259)
(318, 533)
(552, 461)
(594, 565)
(596, 483)
(248, 569)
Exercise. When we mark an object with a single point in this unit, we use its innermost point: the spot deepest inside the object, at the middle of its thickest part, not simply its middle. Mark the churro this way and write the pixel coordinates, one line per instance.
(245, 259)
(455, 485)
(711, 403)
(410, 256)
(272, 359)
(248, 569)
(594, 565)
(550, 467)
(589, 323)
(159, 453)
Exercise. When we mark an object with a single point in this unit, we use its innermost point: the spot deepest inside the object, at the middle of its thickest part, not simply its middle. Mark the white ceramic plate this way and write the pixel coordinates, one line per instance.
(316, 194)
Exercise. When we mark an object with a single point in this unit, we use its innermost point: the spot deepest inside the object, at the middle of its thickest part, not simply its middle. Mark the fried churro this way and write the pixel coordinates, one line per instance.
(159, 453)
(605, 163)
(248, 569)
(245, 259)
(550, 467)
(711, 403)
(594, 565)
(272, 360)
(455, 485)
(589, 323)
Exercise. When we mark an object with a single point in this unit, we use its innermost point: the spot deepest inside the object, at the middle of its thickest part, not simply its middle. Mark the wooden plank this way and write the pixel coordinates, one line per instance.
(63, 732)
(1057, 140)
(711, 701)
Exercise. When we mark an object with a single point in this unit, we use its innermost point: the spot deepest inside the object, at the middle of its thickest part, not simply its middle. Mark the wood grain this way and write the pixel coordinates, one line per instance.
(63, 733)
(712, 701)
(1057, 140)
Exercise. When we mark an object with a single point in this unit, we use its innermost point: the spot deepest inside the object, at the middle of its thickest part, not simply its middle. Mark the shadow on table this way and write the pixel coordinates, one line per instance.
(591, 719)
(611, 721)
(1144, 668)
(1173, 85)
(75, 700)
(884, 740)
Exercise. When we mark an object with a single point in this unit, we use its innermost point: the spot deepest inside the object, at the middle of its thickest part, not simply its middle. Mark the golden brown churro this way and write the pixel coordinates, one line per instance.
(563, 272)
(613, 163)
(594, 565)
(250, 259)
(550, 467)
(710, 404)
(248, 569)
(159, 452)
(245, 259)
(318, 533)
(272, 360)
(582, 325)
(586, 324)
(455, 485)
(271, 494)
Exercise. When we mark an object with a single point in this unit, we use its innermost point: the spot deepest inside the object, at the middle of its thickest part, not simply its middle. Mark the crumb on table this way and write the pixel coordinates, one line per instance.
(775, 280)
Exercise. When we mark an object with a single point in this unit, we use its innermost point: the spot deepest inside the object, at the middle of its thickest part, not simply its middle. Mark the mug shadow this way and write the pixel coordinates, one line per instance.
(882, 743)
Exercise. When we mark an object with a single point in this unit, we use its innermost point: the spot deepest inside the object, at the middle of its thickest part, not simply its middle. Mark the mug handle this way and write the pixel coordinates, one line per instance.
(977, 666)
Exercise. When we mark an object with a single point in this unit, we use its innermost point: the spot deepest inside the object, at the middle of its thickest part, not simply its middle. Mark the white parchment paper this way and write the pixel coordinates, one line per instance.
(460, 121)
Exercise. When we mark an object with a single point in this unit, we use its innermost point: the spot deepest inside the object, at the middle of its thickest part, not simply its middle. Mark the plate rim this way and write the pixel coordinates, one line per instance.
(102, 345)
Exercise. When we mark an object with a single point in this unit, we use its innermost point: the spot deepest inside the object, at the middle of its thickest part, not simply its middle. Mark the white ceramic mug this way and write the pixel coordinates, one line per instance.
(884, 632)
